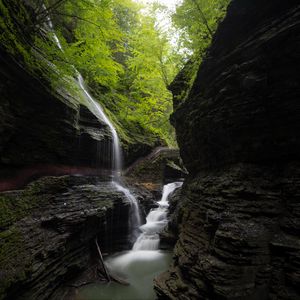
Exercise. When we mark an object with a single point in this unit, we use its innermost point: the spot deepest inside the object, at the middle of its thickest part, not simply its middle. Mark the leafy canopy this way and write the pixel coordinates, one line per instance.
(125, 56)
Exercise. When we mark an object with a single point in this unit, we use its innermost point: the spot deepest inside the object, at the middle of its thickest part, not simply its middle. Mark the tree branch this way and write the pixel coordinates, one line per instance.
(203, 17)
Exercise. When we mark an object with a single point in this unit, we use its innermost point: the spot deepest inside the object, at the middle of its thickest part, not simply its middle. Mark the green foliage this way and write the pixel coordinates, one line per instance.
(196, 21)
(127, 60)
(11, 38)
(95, 39)
(123, 56)
(148, 75)
(23, 40)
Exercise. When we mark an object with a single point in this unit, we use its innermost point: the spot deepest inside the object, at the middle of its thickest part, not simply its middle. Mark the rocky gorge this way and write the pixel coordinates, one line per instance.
(237, 215)
(235, 222)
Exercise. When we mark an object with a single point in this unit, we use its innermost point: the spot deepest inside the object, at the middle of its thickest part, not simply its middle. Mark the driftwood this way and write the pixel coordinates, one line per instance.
(109, 277)
(101, 261)
(80, 284)
(118, 279)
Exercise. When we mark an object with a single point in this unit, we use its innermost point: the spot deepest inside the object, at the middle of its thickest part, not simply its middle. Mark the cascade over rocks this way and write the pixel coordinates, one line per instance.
(238, 221)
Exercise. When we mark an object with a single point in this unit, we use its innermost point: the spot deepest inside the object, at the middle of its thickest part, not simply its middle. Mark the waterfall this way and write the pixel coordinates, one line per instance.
(135, 217)
(95, 107)
(155, 221)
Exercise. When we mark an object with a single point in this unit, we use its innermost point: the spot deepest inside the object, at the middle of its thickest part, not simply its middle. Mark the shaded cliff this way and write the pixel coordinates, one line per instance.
(40, 126)
(238, 131)
(243, 105)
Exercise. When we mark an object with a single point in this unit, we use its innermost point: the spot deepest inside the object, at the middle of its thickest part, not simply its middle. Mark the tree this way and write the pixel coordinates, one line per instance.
(196, 21)
(126, 59)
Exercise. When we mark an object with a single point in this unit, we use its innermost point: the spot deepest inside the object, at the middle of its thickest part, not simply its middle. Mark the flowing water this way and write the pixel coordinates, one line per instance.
(134, 221)
(140, 265)
(98, 111)
(96, 108)
(155, 221)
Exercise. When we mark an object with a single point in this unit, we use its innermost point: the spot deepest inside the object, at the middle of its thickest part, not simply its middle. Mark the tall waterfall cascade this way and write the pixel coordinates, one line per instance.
(95, 107)
(141, 264)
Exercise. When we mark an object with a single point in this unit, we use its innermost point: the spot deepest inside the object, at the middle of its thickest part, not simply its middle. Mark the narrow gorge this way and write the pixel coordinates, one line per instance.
(149, 150)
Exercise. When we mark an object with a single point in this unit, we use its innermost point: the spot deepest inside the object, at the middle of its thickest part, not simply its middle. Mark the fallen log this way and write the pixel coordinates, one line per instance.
(109, 277)
(101, 261)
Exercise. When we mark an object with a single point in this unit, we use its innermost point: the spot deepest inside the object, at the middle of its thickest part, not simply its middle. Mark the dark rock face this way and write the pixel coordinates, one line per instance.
(244, 104)
(238, 221)
(48, 231)
(238, 236)
(39, 127)
(162, 164)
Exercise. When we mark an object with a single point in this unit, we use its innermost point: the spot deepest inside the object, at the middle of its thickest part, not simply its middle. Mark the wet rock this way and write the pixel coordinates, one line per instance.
(50, 127)
(48, 231)
(161, 165)
(236, 237)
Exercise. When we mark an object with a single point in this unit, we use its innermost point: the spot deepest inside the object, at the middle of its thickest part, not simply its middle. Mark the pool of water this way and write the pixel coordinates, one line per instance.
(138, 268)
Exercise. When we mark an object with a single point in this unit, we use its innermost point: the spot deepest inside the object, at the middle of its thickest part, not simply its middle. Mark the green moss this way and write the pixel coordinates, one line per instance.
(14, 262)
(149, 170)
(16, 205)
(108, 204)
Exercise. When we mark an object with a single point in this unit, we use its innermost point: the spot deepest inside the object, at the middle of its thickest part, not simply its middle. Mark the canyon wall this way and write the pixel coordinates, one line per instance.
(238, 217)
(48, 230)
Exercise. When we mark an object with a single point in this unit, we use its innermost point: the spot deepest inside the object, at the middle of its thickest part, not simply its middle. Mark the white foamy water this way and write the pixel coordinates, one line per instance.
(147, 244)
(135, 217)
(98, 111)
(141, 264)
(155, 221)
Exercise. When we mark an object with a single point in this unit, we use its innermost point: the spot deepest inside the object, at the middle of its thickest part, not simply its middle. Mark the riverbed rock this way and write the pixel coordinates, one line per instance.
(48, 231)
(162, 165)
(238, 131)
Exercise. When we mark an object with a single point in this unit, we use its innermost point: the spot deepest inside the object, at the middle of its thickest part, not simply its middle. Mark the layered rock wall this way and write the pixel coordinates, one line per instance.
(48, 232)
(244, 106)
(39, 126)
(238, 130)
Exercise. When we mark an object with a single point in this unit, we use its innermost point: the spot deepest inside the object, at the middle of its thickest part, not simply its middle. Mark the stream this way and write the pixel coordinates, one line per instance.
(140, 265)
